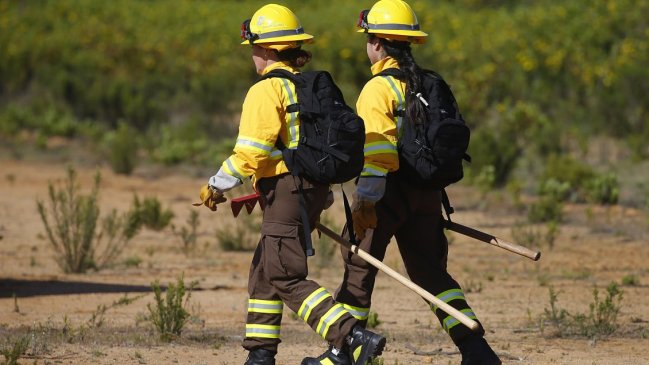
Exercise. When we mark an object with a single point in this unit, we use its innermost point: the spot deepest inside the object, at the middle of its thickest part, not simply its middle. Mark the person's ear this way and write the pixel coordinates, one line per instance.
(376, 44)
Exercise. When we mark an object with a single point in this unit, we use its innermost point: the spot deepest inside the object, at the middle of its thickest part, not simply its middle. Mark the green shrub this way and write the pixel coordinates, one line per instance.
(116, 233)
(122, 149)
(562, 168)
(555, 315)
(14, 350)
(603, 189)
(97, 318)
(169, 315)
(600, 321)
(243, 235)
(630, 280)
(549, 206)
(188, 234)
(494, 156)
(486, 179)
(150, 214)
(602, 317)
(71, 226)
(526, 236)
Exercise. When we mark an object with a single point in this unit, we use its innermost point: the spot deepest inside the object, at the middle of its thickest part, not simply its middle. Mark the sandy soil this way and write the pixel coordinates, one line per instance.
(595, 247)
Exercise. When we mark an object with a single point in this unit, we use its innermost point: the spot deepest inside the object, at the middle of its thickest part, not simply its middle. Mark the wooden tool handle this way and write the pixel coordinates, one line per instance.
(463, 318)
(493, 240)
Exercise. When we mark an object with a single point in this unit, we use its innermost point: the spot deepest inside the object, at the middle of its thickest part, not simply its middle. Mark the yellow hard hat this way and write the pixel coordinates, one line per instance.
(274, 26)
(393, 20)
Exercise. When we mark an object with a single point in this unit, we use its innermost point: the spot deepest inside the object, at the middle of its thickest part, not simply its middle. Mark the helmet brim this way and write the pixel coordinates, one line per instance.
(413, 36)
(304, 37)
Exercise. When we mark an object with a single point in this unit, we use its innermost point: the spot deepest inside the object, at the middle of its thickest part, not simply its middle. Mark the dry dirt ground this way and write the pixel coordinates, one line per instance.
(595, 246)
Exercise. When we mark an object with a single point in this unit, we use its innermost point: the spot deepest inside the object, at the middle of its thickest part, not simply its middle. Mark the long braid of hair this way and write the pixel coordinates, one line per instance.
(402, 53)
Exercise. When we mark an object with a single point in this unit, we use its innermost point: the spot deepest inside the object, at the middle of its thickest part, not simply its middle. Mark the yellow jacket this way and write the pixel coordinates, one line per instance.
(263, 119)
(376, 104)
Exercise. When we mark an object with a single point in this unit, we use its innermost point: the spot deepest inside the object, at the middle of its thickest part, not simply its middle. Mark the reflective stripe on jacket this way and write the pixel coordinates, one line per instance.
(376, 104)
(263, 119)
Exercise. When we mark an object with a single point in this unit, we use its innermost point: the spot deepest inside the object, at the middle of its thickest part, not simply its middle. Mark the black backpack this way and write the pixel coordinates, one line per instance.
(431, 151)
(332, 136)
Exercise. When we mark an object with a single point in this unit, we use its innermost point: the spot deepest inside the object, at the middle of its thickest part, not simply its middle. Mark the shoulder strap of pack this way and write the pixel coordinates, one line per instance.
(282, 74)
(296, 79)
(398, 74)
(394, 72)
(446, 203)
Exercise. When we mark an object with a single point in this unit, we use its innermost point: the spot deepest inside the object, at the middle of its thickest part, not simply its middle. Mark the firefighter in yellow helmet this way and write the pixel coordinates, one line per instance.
(386, 203)
(278, 273)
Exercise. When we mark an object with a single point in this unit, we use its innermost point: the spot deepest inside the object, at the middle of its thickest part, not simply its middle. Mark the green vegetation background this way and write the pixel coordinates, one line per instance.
(165, 79)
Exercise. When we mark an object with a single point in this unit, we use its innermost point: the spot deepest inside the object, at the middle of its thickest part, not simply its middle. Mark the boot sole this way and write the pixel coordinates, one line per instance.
(373, 348)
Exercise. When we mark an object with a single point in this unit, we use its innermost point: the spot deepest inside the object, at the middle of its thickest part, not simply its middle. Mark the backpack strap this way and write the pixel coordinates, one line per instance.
(281, 73)
(348, 218)
(284, 74)
(394, 72)
(447, 205)
(304, 216)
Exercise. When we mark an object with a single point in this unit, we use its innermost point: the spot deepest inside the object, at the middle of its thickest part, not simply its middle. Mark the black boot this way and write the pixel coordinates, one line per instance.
(260, 357)
(364, 345)
(476, 351)
(341, 358)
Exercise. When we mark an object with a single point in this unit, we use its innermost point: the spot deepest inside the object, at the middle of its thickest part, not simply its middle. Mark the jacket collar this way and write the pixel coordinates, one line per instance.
(383, 64)
(276, 65)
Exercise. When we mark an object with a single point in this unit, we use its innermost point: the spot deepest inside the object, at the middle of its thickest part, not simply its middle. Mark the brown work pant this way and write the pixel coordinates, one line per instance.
(279, 268)
(413, 215)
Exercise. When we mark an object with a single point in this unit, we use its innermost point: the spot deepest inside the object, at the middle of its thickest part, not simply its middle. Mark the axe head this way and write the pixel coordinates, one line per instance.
(249, 201)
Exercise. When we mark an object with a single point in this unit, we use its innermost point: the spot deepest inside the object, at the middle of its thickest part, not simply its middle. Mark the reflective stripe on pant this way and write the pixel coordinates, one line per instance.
(413, 216)
(279, 269)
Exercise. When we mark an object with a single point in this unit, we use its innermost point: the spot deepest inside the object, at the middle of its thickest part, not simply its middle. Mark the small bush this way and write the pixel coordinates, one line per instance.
(240, 237)
(530, 236)
(169, 315)
(150, 214)
(603, 189)
(14, 350)
(118, 230)
(97, 318)
(71, 226)
(188, 233)
(630, 280)
(74, 219)
(602, 317)
(549, 206)
(486, 179)
(133, 261)
(555, 315)
(515, 190)
(122, 147)
(551, 233)
(601, 320)
(493, 153)
(546, 209)
(564, 169)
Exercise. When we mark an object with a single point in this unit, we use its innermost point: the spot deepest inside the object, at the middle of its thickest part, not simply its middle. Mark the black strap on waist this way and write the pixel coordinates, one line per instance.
(446, 203)
(304, 216)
